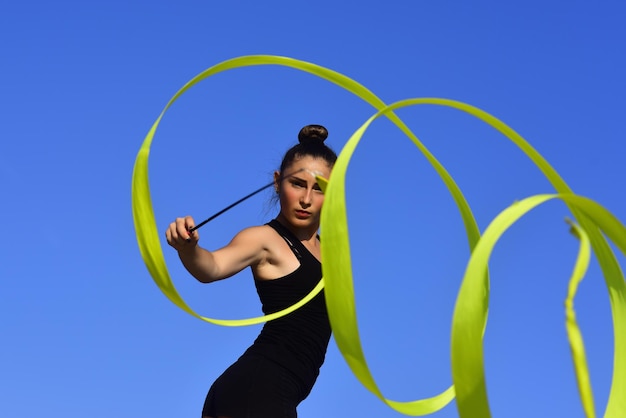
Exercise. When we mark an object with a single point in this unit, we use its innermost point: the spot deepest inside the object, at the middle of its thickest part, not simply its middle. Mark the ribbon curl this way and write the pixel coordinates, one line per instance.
(470, 314)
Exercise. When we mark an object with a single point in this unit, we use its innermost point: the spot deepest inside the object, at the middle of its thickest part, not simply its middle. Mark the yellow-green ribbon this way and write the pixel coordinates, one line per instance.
(470, 315)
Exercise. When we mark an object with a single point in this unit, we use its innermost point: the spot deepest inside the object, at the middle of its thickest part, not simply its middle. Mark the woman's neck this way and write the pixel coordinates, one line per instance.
(304, 234)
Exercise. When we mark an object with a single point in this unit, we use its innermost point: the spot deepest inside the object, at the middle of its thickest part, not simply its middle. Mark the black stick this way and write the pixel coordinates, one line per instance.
(210, 218)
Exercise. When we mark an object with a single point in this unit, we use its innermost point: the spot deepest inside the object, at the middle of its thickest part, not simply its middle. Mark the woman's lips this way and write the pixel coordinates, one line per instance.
(302, 214)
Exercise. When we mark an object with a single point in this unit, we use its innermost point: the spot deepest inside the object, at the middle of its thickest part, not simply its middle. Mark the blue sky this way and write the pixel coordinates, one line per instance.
(85, 332)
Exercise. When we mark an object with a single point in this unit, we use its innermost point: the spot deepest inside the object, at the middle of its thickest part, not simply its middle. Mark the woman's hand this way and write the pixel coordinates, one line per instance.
(178, 235)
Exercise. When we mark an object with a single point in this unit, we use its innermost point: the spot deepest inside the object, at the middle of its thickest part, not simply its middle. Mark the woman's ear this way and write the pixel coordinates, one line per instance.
(276, 181)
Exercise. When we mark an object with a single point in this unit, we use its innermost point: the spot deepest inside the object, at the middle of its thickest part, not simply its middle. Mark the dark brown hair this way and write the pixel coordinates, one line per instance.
(311, 143)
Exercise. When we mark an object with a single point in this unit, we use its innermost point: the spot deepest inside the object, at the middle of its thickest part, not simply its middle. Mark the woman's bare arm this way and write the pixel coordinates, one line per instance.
(247, 248)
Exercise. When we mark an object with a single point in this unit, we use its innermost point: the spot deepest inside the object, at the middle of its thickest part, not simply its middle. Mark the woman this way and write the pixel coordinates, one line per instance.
(278, 371)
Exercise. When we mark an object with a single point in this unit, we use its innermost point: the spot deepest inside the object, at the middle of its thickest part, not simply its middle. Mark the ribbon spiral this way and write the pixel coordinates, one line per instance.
(595, 225)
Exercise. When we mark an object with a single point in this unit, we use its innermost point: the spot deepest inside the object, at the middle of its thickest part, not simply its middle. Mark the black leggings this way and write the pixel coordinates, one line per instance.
(254, 387)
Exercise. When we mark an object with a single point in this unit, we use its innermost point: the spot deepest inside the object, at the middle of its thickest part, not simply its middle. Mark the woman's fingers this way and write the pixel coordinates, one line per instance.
(178, 235)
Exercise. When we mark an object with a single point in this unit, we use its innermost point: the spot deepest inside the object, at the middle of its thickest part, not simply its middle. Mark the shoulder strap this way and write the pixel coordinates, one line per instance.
(289, 238)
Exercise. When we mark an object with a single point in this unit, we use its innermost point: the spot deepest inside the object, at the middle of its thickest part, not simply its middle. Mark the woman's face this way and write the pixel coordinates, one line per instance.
(300, 196)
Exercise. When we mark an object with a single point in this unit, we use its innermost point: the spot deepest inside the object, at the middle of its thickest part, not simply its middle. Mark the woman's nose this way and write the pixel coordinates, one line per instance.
(305, 198)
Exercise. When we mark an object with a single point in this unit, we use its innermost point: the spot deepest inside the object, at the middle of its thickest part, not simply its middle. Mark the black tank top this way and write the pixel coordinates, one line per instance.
(297, 341)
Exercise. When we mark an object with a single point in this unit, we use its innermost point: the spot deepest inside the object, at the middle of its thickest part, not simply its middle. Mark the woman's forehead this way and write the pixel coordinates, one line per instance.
(310, 165)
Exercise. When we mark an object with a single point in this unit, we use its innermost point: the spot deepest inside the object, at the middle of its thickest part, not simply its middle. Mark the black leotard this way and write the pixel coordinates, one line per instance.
(278, 371)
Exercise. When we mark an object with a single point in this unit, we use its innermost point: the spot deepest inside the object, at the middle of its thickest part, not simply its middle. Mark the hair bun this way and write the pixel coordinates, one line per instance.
(311, 134)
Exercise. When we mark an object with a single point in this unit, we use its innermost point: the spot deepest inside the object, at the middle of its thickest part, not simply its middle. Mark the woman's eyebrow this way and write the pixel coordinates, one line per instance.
(294, 177)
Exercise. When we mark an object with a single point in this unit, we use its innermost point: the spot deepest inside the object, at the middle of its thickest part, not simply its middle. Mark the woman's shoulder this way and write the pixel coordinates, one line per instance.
(258, 233)
(273, 257)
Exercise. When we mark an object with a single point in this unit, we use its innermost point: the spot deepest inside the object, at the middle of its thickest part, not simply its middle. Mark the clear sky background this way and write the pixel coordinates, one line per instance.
(86, 333)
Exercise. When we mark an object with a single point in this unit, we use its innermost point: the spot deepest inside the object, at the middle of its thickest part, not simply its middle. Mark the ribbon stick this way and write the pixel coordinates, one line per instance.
(232, 205)
(594, 225)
